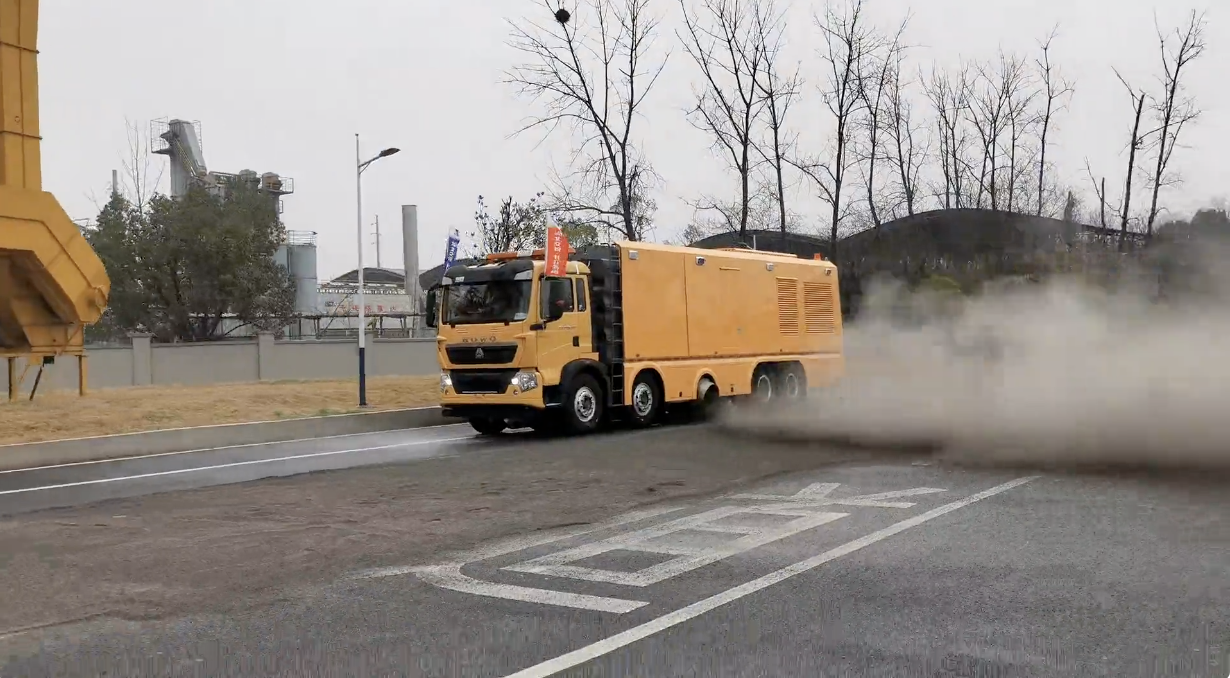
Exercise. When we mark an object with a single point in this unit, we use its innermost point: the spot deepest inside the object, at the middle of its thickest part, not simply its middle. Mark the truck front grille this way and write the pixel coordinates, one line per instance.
(481, 354)
(481, 381)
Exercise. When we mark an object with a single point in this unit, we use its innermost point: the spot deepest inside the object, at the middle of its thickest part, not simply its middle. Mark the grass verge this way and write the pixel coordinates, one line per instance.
(63, 414)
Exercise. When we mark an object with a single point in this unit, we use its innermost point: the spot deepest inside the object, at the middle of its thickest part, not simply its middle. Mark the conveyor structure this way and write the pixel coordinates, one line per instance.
(52, 283)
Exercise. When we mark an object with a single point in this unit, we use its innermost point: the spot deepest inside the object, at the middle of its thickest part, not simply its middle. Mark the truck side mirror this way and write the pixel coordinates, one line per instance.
(430, 310)
(555, 290)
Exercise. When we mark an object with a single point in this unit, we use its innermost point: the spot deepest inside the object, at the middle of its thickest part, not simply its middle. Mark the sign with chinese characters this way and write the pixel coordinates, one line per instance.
(556, 253)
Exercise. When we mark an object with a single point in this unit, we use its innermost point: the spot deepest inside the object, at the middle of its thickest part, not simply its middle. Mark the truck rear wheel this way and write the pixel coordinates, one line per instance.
(488, 426)
(763, 387)
(583, 404)
(792, 384)
(646, 400)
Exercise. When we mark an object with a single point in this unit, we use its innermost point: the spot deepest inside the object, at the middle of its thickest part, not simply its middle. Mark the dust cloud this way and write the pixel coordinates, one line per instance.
(1060, 373)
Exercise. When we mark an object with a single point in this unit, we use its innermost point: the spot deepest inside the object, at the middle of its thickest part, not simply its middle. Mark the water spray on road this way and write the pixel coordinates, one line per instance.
(1054, 373)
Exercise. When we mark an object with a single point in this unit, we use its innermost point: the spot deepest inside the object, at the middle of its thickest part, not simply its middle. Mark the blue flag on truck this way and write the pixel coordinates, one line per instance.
(450, 249)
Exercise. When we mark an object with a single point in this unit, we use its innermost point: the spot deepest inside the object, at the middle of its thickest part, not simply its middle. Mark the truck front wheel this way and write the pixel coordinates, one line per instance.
(583, 405)
(488, 426)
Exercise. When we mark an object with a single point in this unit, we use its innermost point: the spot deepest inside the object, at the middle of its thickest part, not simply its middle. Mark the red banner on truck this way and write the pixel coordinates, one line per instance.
(555, 255)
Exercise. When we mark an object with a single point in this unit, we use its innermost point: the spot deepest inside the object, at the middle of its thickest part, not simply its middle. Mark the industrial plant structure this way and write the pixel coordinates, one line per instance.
(180, 140)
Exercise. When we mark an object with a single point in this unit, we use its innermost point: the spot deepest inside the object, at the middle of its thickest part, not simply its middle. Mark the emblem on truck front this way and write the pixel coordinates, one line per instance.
(479, 354)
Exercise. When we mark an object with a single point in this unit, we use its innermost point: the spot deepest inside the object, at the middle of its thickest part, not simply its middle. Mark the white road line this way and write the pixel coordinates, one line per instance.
(213, 467)
(636, 633)
(208, 449)
(450, 577)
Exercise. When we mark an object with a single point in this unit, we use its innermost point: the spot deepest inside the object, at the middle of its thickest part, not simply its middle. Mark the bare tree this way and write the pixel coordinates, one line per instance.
(1099, 190)
(778, 90)
(991, 113)
(594, 78)
(722, 40)
(950, 98)
(1021, 121)
(848, 40)
(906, 148)
(874, 90)
(714, 216)
(1173, 108)
(140, 174)
(1134, 145)
(1055, 91)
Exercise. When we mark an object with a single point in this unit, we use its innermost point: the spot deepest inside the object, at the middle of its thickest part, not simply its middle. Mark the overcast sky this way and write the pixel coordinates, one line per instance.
(283, 86)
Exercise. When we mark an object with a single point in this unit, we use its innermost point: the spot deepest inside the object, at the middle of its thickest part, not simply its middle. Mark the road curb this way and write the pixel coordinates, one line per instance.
(97, 448)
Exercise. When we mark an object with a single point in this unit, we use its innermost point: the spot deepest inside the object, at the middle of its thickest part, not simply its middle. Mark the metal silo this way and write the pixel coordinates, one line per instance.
(301, 261)
(281, 257)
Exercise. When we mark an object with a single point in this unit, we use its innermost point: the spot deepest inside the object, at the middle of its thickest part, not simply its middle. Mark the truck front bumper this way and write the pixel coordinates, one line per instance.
(513, 404)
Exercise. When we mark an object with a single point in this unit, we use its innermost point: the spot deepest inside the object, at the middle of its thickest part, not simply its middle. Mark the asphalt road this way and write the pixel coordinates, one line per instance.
(861, 567)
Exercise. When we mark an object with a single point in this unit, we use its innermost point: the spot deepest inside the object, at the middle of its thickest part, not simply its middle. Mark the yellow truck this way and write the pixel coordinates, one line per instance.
(630, 329)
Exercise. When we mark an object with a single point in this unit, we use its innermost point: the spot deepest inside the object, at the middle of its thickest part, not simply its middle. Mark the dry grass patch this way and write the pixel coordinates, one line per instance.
(59, 414)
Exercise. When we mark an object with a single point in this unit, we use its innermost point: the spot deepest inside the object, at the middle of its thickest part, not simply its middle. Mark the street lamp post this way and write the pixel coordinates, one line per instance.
(361, 165)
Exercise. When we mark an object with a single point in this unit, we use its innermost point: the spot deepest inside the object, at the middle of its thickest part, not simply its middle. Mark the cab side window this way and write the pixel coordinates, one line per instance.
(580, 294)
(557, 294)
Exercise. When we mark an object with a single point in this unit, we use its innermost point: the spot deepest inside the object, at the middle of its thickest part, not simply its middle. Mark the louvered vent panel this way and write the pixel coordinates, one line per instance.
(788, 305)
(819, 312)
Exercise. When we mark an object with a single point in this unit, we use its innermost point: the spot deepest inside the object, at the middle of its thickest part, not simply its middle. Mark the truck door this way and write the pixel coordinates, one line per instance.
(567, 338)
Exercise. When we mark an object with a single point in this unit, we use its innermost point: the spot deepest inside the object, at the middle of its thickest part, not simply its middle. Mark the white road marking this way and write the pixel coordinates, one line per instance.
(688, 558)
(520, 543)
(204, 449)
(636, 633)
(817, 494)
(448, 575)
(214, 467)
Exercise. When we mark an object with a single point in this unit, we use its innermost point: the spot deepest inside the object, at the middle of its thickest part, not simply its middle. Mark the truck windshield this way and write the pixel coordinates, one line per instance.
(486, 302)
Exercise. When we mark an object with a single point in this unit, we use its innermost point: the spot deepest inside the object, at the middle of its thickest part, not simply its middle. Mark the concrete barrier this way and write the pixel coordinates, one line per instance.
(97, 448)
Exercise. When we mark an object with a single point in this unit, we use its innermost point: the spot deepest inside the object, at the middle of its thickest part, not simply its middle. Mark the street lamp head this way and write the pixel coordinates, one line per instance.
(562, 15)
(389, 151)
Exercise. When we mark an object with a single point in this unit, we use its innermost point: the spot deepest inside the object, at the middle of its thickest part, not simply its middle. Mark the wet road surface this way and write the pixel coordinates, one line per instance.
(885, 567)
(23, 490)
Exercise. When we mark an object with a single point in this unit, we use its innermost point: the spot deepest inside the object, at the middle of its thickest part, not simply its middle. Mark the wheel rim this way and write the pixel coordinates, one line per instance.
(642, 399)
(764, 388)
(585, 404)
(792, 386)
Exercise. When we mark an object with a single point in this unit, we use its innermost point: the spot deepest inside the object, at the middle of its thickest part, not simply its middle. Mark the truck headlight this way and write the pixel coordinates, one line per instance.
(525, 381)
(446, 382)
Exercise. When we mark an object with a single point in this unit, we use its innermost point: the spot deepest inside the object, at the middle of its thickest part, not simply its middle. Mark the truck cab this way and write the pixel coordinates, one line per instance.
(509, 339)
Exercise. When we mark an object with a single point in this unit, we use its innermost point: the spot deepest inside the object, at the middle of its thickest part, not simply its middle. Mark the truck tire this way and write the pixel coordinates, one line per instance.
(646, 404)
(792, 384)
(583, 404)
(764, 387)
(487, 426)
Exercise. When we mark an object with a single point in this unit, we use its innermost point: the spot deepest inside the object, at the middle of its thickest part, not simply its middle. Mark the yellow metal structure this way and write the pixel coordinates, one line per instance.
(647, 325)
(52, 283)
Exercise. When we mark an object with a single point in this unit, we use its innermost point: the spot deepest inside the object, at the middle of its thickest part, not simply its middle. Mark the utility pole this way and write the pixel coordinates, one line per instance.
(378, 242)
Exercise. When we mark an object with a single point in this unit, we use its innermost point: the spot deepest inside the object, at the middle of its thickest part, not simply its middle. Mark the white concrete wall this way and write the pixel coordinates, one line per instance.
(257, 359)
